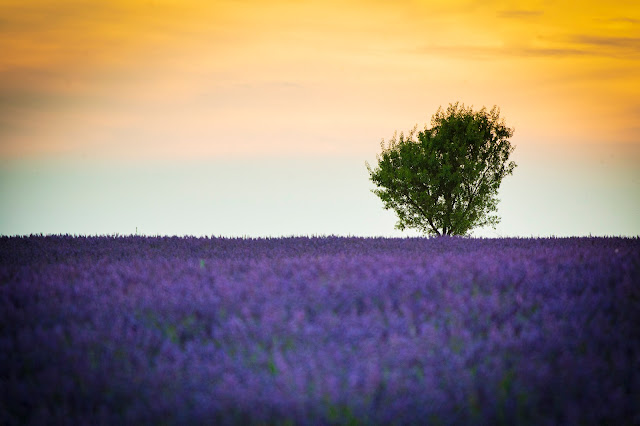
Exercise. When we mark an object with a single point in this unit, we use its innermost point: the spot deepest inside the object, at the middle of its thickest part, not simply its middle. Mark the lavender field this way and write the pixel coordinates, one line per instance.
(131, 330)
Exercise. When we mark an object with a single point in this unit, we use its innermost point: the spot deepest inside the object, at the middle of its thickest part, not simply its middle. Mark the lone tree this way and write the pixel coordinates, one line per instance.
(444, 180)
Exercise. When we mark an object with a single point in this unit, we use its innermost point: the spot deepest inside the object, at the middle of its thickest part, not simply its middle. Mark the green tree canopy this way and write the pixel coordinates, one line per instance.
(444, 180)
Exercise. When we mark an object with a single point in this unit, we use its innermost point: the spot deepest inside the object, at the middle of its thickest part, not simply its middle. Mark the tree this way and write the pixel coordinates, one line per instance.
(444, 180)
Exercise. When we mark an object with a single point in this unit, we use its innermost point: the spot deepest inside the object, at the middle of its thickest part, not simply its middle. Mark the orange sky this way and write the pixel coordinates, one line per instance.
(194, 79)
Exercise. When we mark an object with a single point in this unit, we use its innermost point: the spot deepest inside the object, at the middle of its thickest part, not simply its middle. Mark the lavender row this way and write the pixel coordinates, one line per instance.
(106, 330)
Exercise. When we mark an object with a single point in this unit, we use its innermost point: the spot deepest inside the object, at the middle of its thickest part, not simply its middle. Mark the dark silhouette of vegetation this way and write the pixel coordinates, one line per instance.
(444, 180)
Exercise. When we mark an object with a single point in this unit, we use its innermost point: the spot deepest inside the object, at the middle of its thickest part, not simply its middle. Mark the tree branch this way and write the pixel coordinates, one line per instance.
(417, 206)
(474, 192)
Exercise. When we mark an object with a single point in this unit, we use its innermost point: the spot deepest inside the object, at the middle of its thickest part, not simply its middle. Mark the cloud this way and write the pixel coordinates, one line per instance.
(625, 20)
(45, 16)
(493, 52)
(29, 100)
(622, 43)
(519, 14)
(574, 46)
(547, 52)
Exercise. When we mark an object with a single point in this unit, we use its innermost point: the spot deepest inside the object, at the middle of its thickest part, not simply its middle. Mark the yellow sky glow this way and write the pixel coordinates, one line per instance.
(218, 78)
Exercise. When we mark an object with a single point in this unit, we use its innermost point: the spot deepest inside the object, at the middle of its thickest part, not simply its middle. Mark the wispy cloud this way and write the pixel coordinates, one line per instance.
(574, 46)
(491, 53)
(26, 18)
(519, 13)
(631, 44)
(625, 20)
(29, 100)
(547, 52)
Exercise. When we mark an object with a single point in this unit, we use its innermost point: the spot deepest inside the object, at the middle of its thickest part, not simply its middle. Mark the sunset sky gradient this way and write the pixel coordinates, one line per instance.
(256, 117)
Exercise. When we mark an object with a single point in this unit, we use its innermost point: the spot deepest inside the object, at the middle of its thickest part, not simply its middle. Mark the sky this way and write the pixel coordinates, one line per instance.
(255, 118)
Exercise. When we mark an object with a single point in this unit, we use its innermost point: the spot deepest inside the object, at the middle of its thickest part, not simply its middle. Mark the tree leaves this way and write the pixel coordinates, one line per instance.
(444, 180)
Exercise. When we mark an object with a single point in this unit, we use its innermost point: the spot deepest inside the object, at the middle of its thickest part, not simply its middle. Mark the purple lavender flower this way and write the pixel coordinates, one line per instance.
(319, 330)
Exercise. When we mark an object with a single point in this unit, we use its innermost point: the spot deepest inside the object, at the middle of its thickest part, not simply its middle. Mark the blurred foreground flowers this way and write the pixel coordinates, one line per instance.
(104, 330)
